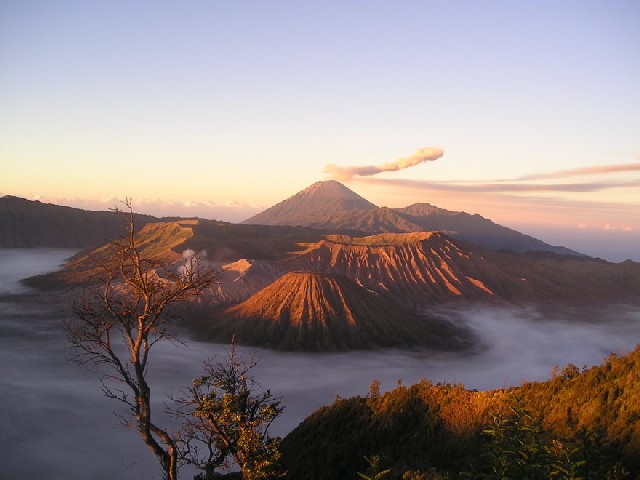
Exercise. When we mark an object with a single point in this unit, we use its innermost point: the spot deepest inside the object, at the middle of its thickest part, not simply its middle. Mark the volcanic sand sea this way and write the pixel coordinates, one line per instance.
(56, 422)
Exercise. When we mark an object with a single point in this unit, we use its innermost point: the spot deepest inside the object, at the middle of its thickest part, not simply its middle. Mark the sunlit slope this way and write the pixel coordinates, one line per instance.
(594, 414)
(157, 242)
(222, 243)
(317, 312)
(431, 268)
(425, 267)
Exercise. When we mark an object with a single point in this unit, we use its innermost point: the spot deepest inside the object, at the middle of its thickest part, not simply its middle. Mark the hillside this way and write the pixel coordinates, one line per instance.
(316, 312)
(424, 267)
(323, 208)
(156, 242)
(365, 292)
(587, 421)
(29, 224)
(224, 243)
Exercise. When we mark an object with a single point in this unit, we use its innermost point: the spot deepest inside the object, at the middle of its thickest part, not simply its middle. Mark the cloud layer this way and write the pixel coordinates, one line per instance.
(425, 154)
(500, 187)
(598, 169)
(228, 211)
(525, 184)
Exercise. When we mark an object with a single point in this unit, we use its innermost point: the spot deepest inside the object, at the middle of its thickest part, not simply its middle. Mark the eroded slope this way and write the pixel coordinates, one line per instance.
(318, 312)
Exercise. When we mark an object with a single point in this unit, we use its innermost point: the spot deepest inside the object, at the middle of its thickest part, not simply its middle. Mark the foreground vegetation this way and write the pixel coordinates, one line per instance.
(577, 425)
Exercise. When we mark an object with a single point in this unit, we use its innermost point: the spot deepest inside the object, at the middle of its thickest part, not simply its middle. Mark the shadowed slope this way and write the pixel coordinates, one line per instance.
(237, 281)
(29, 224)
(475, 229)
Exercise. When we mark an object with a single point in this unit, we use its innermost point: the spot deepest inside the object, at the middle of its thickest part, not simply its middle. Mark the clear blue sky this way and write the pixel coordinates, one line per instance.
(223, 108)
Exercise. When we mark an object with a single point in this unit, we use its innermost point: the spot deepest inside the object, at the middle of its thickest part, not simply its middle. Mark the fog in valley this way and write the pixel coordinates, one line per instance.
(57, 424)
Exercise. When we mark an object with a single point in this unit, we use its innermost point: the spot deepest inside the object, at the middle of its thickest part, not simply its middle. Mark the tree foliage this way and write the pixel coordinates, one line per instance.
(374, 471)
(226, 421)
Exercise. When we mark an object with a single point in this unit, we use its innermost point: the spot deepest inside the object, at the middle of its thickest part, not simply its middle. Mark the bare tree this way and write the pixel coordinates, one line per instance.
(127, 313)
(225, 421)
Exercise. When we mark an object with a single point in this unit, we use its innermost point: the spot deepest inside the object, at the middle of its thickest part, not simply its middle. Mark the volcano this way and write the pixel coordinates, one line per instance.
(311, 311)
(319, 205)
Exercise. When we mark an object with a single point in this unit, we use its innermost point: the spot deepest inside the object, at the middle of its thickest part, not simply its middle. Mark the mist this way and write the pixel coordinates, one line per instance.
(57, 423)
(615, 244)
(19, 263)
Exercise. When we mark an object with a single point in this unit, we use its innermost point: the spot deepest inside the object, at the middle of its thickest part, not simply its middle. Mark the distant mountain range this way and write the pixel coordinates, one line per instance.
(328, 207)
(331, 206)
(306, 285)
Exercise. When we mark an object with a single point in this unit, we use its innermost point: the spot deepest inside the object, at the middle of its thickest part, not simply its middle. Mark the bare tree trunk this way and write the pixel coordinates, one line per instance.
(129, 307)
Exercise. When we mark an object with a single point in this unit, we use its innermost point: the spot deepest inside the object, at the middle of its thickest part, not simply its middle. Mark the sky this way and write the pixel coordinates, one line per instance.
(527, 113)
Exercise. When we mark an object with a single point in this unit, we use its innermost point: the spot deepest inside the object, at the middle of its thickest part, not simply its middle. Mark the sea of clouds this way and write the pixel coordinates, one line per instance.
(57, 423)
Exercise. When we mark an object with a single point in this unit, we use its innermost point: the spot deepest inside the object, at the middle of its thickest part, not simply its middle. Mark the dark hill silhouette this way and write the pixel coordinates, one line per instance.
(475, 229)
(28, 224)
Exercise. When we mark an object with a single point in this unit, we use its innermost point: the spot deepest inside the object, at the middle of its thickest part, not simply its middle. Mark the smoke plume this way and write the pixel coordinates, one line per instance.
(425, 154)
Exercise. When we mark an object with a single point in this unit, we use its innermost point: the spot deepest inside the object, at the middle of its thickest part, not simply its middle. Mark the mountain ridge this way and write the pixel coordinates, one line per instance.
(429, 268)
(343, 214)
(475, 228)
